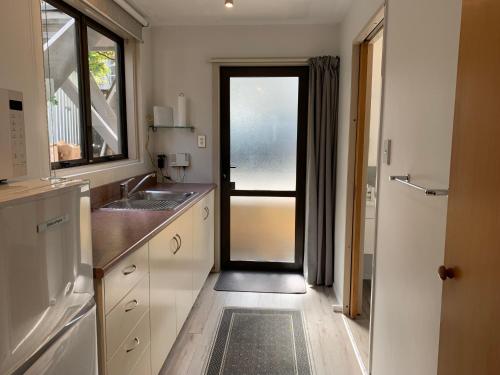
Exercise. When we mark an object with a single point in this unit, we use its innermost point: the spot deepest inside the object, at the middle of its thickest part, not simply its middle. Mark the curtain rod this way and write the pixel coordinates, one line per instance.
(289, 60)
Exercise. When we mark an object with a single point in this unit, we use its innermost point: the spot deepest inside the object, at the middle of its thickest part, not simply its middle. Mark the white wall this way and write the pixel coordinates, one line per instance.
(420, 73)
(180, 63)
(359, 15)
(21, 69)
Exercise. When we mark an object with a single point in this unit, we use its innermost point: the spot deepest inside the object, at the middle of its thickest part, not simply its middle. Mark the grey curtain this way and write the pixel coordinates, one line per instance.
(321, 168)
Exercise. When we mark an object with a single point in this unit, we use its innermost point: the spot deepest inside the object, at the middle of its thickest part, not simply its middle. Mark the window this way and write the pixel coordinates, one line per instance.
(84, 80)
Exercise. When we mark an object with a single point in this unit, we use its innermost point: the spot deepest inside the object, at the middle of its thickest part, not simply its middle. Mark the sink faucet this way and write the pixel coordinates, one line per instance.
(124, 186)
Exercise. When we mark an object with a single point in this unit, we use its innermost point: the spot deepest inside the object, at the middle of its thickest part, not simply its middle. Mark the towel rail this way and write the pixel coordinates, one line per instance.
(405, 180)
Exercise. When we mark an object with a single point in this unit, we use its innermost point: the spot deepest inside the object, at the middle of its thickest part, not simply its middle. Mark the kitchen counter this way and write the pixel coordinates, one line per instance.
(118, 233)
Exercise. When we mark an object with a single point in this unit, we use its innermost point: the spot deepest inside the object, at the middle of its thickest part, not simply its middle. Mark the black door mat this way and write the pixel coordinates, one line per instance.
(259, 341)
(261, 282)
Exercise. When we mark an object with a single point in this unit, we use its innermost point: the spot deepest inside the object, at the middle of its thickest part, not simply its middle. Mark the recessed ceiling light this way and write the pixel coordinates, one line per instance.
(229, 3)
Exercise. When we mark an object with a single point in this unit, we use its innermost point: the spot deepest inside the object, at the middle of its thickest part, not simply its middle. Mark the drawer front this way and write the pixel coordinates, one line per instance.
(124, 276)
(143, 366)
(124, 316)
(131, 350)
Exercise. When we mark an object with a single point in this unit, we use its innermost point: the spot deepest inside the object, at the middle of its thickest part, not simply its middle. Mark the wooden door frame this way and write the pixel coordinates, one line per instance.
(302, 72)
(362, 129)
(356, 183)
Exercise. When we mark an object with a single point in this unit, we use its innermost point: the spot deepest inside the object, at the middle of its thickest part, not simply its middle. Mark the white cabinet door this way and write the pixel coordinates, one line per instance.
(183, 264)
(203, 241)
(163, 277)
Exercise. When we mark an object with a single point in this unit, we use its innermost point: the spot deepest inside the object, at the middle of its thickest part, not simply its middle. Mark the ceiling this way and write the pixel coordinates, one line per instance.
(244, 12)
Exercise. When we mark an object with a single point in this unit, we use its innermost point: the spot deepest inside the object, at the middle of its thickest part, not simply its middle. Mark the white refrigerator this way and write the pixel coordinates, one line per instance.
(47, 308)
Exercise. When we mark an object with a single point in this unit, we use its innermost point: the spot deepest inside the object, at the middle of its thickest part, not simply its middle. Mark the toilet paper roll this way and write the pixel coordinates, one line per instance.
(181, 110)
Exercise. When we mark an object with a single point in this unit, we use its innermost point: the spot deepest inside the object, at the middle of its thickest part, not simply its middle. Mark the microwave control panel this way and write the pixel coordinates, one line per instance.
(12, 135)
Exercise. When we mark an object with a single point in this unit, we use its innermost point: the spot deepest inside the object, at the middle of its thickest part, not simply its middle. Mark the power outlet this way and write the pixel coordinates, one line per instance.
(202, 141)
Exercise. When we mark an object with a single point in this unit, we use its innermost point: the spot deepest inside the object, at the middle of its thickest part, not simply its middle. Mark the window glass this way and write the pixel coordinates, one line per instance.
(270, 237)
(263, 115)
(62, 84)
(104, 93)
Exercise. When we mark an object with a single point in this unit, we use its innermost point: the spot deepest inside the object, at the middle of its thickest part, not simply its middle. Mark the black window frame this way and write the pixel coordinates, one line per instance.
(227, 190)
(82, 22)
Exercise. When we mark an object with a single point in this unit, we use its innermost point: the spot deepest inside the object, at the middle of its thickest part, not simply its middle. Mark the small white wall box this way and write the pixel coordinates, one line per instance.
(12, 135)
(202, 141)
(163, 116)
(178, 160)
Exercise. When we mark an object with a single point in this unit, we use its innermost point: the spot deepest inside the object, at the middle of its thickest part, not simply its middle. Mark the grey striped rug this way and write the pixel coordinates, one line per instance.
(258, 342)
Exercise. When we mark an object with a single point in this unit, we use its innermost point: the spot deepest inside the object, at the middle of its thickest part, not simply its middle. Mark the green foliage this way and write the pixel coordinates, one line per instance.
(97, 65)
(53, 100)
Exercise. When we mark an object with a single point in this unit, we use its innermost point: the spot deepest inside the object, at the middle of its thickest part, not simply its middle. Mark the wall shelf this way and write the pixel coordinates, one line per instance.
(155, 128)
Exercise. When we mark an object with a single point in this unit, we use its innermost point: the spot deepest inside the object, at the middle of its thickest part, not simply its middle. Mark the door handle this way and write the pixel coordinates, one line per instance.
(446, 273)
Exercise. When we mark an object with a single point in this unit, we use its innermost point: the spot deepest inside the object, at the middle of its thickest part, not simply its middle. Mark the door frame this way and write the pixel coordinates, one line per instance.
(302, 72)
(361, 149)
(375, 23)
(358, 116)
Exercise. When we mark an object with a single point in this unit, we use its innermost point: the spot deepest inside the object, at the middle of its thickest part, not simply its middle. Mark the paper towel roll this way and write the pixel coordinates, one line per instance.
(181, 110)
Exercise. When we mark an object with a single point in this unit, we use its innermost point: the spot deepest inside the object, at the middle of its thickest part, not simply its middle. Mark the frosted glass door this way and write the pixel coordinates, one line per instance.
(263, 143)
(263, 119)
(263, 229)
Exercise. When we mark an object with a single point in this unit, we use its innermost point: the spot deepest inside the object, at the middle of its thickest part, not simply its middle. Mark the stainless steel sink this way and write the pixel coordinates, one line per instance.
(151, 200)
(155, 195)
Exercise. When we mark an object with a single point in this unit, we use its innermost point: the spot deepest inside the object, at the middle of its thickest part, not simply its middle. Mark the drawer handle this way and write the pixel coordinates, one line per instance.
(207, 210)
(136, 344)
(177, 245)
(133, 304)
(178, 239)
(130, 269)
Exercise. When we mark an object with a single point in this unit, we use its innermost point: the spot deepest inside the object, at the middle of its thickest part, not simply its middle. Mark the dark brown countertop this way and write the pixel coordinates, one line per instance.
(116, 234)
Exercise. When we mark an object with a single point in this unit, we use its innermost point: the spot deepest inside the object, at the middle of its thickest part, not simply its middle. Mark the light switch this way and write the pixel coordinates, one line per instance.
(202, 141)
(386, 157)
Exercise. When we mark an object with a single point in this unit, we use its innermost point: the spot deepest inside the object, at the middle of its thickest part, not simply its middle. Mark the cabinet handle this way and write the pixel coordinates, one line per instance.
(177, 245)
(135, 345)
(177, 237)
(130, 269)
(207, 210)
(134, 304)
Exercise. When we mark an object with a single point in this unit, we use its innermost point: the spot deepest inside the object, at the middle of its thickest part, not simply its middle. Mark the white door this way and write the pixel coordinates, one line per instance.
(421, 54)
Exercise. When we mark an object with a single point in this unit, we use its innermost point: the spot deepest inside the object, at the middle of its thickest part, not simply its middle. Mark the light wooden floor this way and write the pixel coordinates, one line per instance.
(360, 327)
(329, 342)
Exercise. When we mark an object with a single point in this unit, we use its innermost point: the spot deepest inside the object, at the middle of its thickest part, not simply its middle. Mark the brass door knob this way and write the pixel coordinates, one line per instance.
(446, 273)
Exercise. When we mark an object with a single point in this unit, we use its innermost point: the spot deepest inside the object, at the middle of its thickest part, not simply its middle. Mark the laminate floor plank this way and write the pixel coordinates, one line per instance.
(331, 350)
